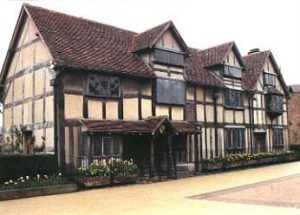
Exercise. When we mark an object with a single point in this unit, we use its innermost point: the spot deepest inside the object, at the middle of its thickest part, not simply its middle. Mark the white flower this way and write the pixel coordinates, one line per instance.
(45, 176)
(27, 177)
(59, 174)
(16, 183)
(22, 181)
(11, 181)
(38, 176)
(21, 178)
(6, 183)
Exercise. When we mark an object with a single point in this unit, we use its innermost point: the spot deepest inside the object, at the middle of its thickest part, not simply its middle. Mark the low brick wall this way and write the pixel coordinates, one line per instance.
(36, 191)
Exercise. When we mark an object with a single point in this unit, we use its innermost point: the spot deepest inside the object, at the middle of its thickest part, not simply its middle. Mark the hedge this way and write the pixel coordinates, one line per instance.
(15, 166)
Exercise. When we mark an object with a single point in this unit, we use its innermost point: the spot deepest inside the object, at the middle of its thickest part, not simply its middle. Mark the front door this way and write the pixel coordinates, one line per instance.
(260, 142)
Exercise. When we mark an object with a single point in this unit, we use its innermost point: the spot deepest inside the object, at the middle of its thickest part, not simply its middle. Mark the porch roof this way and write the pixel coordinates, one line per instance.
(150, 125)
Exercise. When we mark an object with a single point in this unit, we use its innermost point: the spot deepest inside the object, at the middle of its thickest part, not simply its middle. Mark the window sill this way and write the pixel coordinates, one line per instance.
(234, 108)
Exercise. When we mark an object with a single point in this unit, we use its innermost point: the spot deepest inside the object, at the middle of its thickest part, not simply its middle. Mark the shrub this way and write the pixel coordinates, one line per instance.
(244, 157)
(16, 166)
(113, 167)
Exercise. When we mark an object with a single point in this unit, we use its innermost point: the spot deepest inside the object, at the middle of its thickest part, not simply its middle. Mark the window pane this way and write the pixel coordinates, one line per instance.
(269, 79)
(170, 91)
(96, 145)
(232, 71)
(116, 147)
(164, 56)
(107, 145)
(233, 98)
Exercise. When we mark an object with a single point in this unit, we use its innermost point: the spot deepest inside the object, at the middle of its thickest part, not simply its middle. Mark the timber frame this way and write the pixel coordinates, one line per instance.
(45, 88)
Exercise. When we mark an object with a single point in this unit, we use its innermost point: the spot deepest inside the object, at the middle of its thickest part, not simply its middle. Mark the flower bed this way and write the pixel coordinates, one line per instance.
(124, 172)
(116, 171)
(29, 186)
(245, 160)
(32, 181)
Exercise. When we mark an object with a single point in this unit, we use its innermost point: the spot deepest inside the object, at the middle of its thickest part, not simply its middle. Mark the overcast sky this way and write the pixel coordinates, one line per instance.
(264, 24)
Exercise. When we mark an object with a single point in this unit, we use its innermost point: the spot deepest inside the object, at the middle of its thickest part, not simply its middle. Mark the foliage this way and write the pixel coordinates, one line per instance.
(126, 167)
(35, 181)
(112, 167)
(13, 143)
(15, 166)
(245, 157)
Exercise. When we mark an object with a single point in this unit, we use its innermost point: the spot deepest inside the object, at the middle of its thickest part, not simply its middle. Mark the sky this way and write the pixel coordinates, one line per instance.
(263, 24)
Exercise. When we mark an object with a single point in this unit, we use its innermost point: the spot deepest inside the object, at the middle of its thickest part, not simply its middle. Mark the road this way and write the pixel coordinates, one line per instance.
(265, 190)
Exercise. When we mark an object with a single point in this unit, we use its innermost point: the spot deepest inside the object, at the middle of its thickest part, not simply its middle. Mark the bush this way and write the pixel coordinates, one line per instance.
(295, 147)
(244, 157)
(16, 166)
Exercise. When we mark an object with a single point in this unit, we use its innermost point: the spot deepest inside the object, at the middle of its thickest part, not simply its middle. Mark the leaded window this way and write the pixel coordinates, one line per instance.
(234, 98)
(235, 139)
(278, 137)
(269, 79)
(170, 91)
(275, 103)
(105, 146)
(232, 71)
(168, 57)
(103, 86)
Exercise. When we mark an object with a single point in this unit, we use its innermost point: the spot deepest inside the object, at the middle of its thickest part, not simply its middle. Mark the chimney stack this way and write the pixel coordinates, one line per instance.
(253, 50)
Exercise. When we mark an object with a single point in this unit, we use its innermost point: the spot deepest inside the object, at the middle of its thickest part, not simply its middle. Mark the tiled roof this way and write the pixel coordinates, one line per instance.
(197, 73)
(254, 64)
(295, 88)
(215, 55)
(149, 125)
(83, 44)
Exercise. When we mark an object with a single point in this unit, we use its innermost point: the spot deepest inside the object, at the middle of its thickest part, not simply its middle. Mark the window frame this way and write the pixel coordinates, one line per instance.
(273, 104)
(103, 78)
(277, 135)
(114, 142)
(170, 57)
(267, 79)
(235, 139)
(159, 100)
(231, 75)
(234, 103)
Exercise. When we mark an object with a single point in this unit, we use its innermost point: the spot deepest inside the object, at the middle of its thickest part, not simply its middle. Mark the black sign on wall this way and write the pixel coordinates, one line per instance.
(103, 86)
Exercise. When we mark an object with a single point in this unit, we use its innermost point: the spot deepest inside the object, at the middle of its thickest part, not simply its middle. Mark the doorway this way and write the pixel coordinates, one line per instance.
(260, 142)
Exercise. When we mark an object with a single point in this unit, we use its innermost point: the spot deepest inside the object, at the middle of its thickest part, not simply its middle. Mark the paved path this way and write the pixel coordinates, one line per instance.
(262, 190)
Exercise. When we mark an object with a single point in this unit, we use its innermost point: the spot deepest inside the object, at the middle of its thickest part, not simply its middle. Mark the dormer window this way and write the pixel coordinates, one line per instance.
(269, 79)
(168, 57)
(233, 72)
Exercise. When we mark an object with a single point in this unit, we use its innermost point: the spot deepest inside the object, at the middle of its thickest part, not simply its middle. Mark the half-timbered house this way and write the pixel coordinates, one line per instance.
(89, 91)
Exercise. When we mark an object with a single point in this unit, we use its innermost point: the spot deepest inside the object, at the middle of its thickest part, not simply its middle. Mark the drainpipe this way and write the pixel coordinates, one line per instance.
(215, 98)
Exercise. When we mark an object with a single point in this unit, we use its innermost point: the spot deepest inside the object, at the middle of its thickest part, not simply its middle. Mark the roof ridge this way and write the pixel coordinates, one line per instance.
(77, 17)
(226, 43)
(150, 29)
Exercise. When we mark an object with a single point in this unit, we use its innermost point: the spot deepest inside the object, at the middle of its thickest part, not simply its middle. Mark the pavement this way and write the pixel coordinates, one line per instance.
(266, 190)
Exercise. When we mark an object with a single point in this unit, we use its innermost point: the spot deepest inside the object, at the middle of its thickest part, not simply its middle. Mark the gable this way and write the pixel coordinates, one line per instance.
(26, 48)
(232, 59)
(269, 66)
(168, 41)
